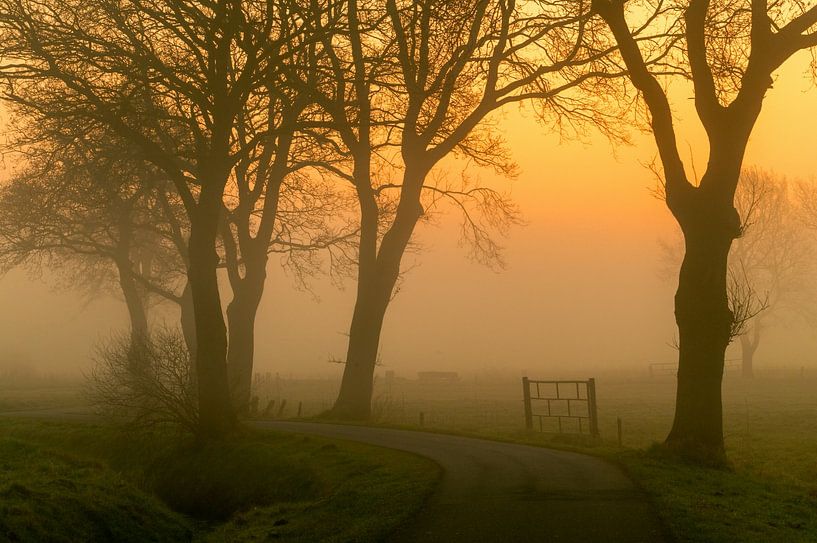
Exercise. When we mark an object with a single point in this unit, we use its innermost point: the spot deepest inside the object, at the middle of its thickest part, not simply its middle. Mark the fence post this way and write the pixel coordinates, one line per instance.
(592, 407)
(528, 408)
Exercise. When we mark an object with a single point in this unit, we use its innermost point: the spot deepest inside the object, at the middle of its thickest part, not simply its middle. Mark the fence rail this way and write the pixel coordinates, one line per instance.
(660, 369)
(546, 401)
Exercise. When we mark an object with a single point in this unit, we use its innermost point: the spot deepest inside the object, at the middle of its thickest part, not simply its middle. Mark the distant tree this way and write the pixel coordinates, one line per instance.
(90, 211)
(729, 51)
(410, 84)
(774, 254)
(173, 79)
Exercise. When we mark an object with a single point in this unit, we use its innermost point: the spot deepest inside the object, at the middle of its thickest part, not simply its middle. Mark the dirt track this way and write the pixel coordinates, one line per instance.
(501, 492)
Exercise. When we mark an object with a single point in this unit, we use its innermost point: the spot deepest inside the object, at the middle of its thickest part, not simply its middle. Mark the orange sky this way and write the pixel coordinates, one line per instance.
(581, 289)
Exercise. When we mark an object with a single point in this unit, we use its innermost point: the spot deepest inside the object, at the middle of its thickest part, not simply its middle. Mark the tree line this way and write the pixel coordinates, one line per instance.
(163, 141)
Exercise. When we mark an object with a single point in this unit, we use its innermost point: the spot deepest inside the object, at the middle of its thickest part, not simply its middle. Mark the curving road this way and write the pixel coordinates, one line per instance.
(501, 492)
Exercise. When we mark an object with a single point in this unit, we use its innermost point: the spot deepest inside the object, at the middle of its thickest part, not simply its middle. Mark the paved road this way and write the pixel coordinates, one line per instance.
(500, 492)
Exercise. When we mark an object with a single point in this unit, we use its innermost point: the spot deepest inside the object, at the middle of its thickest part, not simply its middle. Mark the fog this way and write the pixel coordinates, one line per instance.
(580, 293)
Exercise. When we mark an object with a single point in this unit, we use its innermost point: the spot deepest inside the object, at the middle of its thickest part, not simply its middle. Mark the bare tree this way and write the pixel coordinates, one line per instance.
(88, 209)
(173, 79)
(275, 205)
(729, 51)
(774, 255)
(409, 84)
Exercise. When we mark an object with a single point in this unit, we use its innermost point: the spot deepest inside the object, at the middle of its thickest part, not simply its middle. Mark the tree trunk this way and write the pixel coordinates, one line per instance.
(354, 400)
(133, 300)
(704, 324)
(241, 315)
(378, 272)
(187, 320)
(216, 417)
(748, 347)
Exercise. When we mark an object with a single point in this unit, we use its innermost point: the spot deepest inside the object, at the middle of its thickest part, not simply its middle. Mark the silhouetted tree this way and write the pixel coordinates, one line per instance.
(275, 204)
(729, 51)
(172, 79)
(409, 84)
(770, 264)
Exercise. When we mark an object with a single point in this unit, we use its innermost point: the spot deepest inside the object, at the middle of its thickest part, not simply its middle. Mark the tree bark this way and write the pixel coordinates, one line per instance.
(187, 320)
(137, 313)
(216, 417)
(377, 275)
(704, 319)
(133, 300)
(355, 396)
(241, 314)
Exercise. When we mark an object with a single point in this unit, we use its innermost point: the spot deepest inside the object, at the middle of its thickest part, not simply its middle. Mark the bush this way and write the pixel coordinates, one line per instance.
(145, 381)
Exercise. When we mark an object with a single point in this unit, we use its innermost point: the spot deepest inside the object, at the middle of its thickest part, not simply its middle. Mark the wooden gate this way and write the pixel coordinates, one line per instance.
(561, 406)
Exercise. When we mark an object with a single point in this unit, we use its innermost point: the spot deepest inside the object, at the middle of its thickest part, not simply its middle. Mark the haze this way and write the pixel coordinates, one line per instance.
(581, 290)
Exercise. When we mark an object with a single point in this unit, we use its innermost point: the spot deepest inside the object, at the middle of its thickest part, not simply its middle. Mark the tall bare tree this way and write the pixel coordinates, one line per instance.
(276, 204)
(171, 78)
(729, 51)
(409, 84)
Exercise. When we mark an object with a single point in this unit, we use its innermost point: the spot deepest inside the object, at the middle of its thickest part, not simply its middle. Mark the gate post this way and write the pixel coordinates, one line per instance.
(528, 409)
(592, 407)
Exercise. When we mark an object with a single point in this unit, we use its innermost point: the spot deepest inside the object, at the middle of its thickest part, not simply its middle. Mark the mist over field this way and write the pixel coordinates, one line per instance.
(581, 291)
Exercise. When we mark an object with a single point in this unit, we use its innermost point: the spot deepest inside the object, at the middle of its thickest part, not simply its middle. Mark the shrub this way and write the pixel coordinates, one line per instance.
(145, 381)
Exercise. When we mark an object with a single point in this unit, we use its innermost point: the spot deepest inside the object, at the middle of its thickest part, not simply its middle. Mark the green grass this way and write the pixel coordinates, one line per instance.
(80, 482)
(46, 495)
(704, 505)
(768, 494)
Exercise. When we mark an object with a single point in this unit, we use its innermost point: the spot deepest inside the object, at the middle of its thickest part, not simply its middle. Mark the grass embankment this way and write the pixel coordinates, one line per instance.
(78, 482)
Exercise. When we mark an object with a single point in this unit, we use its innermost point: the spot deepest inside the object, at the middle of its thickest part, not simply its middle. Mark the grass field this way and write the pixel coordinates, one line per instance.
(769, 494)
(79, 482)
(768, 423)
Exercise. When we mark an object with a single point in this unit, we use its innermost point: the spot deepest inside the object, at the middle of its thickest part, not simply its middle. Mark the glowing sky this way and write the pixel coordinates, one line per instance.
(581, 289)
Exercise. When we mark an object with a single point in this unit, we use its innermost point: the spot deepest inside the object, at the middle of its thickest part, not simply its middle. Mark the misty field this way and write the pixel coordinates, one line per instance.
(768, 422)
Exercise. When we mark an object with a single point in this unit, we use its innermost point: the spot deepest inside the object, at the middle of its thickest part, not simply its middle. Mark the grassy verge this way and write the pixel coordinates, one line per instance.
(704, 505)
(79, 482)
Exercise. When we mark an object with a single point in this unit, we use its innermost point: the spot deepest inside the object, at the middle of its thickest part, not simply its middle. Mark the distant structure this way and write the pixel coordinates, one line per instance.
(446, 377)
